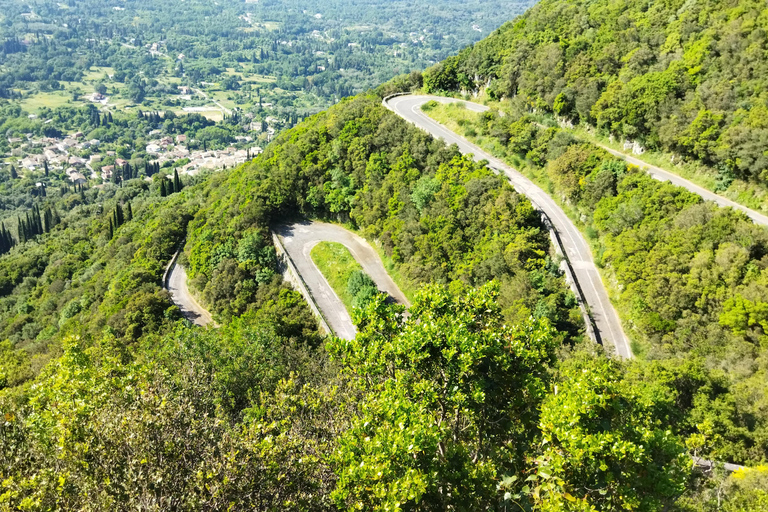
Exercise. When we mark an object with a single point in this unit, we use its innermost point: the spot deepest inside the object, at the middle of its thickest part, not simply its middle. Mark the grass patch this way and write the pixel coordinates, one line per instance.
(38, 100)
(337, 265)
(408, 287)
(98, 73)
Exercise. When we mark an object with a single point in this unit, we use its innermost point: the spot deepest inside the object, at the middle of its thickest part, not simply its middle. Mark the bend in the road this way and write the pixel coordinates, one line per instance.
(298, 240)
(653, 170)
(585, 274)
(182, 297)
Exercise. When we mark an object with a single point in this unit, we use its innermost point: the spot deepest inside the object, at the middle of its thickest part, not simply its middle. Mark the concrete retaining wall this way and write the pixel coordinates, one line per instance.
(291, 274)
(570, 278)
(167, 273)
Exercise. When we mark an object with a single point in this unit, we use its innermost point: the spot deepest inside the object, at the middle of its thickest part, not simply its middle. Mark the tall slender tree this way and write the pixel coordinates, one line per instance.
(177, 185)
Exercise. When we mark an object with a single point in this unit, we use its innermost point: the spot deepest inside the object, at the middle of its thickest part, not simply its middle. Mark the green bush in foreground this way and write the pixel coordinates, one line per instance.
(362, 288)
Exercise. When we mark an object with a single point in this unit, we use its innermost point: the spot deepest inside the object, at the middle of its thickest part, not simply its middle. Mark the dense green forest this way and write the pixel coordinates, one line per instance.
(98, 268)
(484, 395)
(441, 217)
(679, 76)
(690, 276)
(683, 77)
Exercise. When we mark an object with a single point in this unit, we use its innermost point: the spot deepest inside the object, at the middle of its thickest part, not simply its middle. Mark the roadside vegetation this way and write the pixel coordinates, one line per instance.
(473, 391)
(646, 75)
(485, 396)
(345, 275)
(440, 217)
(687, 274)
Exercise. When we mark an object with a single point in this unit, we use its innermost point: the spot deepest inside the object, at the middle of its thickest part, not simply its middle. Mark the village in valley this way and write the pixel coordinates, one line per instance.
(85, 161)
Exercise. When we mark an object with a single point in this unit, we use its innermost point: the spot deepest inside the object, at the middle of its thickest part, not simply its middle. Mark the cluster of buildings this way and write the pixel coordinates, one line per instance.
(58, 154)
(63, 154)
(166, 149)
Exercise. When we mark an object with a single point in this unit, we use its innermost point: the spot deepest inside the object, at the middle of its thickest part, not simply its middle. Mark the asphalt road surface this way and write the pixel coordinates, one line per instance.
(190, 308)
(606, 320)
(299, 239)
(662, 175)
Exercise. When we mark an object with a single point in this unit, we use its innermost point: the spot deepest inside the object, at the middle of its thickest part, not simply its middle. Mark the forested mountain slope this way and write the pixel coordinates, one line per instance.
(439, 216)
(478, 392)
(682, 76)
(484, 397)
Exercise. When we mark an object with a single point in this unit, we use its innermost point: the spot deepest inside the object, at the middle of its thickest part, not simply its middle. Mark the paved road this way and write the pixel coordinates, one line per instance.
(224, 109)
(662, 175)
(190, 308)
(299, 239)
(608, 326)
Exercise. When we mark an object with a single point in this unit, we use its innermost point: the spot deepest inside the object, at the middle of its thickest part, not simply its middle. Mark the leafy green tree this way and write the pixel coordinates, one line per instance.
(451, 401)
(15, 367)
(603, 447)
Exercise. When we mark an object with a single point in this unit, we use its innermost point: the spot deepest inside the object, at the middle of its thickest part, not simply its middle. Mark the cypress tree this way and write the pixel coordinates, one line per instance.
(55, 216)
(128, 213)
(176, 181)
(20, 230)
(38, 221)
(111, 230)
(163, 191)
(6, 240)
(45, 164)
(29, 232)
(120, 218)
(48, 221)
(14, 174)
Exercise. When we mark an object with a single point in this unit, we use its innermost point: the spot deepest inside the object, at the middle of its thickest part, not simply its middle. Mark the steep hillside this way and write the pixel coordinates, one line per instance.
(485, 396)
(688, 277)
(680, 76)
(467, 394)
(438, 216)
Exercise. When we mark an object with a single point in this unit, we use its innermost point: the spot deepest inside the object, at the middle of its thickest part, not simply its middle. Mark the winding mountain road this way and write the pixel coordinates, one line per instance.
(181, 296)
(662, 175)
(299, 239)
(608, 329)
